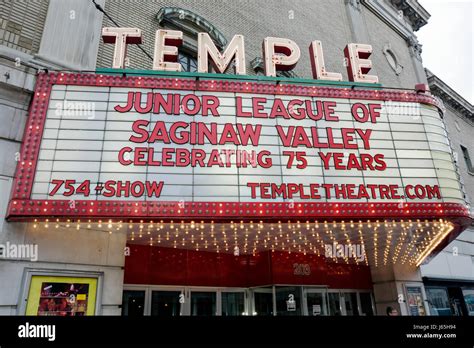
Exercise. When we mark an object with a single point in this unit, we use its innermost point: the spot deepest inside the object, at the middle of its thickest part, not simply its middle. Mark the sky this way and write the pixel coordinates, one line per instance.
(447, 42)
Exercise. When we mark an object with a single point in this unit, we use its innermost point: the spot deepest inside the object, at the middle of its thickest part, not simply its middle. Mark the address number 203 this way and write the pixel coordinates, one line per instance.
(301, 269)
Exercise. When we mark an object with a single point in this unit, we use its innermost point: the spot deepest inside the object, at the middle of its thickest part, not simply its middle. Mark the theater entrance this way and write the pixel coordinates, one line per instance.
(274, 300)
(166, 282)
(168, 301)
(288, 300)
(315, 301)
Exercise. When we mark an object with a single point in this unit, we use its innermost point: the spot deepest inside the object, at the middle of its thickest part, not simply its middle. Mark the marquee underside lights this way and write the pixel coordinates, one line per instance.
(379, 242)
(223, 211)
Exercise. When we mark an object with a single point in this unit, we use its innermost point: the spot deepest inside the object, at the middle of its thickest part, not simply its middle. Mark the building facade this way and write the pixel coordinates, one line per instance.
(112, 267)
(449, 276)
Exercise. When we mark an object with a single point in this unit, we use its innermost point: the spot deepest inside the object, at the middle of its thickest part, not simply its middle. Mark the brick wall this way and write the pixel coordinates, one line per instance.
(301, 21)
(253, 19)
(460, 131)
(21, 24)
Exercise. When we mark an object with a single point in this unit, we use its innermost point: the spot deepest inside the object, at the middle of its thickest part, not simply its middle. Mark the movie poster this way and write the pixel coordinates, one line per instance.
(469, 300)
(415, 302)
(61, 296)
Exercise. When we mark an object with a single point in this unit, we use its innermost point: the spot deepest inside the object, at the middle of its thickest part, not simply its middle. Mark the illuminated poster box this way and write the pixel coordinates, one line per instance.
(61, 296)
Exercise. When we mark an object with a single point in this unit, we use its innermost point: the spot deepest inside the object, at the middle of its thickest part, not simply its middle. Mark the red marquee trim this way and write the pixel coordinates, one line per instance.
(222, 211)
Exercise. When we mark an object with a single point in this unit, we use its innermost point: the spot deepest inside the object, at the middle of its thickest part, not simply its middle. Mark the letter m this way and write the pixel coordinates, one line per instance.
(220, 61)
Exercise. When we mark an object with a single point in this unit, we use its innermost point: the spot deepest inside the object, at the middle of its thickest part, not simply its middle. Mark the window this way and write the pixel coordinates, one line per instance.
(188, 62)
(468, 294)
(467, 159)
(190, 24)
(392, 59)
(438, 301)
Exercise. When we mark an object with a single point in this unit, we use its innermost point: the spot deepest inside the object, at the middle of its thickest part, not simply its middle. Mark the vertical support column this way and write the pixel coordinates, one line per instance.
(415, 52)
(356, 23)
(359, 33)
(390, 287)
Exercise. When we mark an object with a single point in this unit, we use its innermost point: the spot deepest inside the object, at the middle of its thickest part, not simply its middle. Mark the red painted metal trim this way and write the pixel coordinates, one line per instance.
(236, 87)
(222, 211)
(182, 267)
(22, 207)
(26, 167)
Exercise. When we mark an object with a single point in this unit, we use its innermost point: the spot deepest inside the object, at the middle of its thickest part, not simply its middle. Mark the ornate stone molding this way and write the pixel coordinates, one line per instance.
(449, 96)
(403, 16)
(415, 46)
(354, 3)
(190, 23)
(413, 11)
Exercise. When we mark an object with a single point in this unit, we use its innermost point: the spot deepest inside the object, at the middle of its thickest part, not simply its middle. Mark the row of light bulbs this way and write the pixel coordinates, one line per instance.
(414, 238)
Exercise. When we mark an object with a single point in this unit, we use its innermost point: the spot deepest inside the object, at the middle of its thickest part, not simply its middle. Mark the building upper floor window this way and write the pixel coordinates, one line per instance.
(188, 62)
(190, 24)
(467, 159)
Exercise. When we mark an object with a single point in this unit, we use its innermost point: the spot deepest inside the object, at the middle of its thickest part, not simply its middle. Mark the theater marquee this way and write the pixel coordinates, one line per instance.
(133, 147)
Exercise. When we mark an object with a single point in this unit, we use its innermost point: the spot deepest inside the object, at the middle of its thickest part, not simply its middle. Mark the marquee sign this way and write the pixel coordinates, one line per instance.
(109, 146)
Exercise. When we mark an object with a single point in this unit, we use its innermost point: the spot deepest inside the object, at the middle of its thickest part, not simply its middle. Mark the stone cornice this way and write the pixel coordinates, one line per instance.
(412, 10)
(404, 16)
(191, 23)
(439, 88)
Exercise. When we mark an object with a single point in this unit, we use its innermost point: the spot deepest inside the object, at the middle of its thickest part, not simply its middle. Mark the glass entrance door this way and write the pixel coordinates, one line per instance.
(203, 303)
(262, 301)
(167, 303)
(288, 300)
(233, 303)
(334, 303)
(133, 303)
(366, 305)
(316, 302)
(350, 303)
